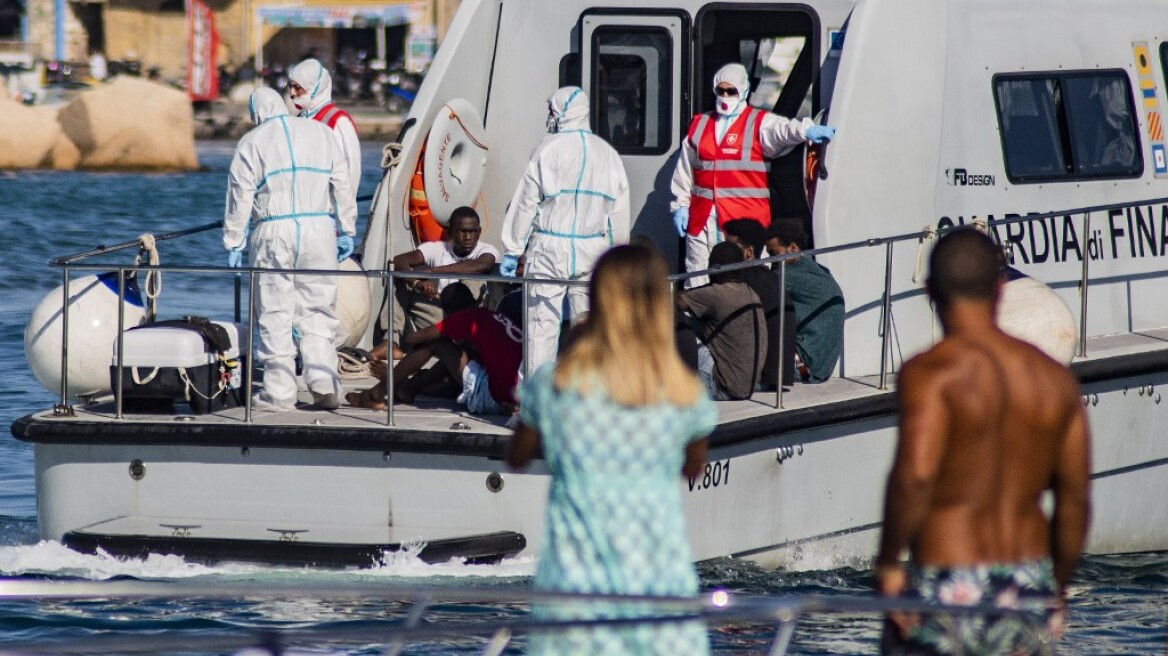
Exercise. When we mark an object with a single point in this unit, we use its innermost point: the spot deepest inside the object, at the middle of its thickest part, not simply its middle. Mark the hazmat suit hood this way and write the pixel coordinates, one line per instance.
(734, 75)
(266, 103)
(312, 76)
(568, 110)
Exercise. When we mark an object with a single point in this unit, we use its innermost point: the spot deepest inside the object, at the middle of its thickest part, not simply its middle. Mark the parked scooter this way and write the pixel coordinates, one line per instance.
(276, 77)
(398, 88)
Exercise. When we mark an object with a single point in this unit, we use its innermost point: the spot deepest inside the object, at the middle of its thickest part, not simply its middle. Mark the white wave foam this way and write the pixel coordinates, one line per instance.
(406, 564)
(51, 558)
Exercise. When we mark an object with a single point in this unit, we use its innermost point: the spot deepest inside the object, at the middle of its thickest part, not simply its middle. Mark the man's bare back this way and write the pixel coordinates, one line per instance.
(987, 423)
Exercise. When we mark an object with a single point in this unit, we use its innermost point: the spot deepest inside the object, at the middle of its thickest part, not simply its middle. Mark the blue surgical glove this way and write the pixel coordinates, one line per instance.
(820, 133)
(344, 247)
(509, 265)
(234, 259)
(681, 220)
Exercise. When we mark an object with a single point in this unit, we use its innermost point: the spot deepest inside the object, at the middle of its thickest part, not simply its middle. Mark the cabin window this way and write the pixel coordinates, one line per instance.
(771, 64)
(632, 88)
(1163, 61)
(1067, 126)
(777, 47)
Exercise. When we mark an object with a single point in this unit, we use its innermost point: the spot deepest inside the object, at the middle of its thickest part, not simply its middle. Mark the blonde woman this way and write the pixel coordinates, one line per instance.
(620, 419)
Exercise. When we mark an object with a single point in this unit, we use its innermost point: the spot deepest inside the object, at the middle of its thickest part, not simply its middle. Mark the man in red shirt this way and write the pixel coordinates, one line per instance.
(479, 352)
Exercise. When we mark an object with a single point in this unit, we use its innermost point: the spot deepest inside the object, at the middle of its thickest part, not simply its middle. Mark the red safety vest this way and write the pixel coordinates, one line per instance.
(730, 176)
(330, 114)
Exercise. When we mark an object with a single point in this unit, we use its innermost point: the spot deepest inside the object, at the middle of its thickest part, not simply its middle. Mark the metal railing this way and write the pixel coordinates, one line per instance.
(69, 263)
(388, 276)
(780, 614)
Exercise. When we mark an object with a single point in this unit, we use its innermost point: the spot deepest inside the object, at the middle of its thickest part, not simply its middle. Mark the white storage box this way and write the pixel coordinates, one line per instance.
(173, 361)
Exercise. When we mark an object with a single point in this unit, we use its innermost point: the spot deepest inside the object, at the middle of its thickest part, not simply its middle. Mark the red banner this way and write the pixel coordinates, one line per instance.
(202, 52)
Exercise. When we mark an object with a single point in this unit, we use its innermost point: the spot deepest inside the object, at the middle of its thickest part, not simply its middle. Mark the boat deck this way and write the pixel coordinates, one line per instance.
(438, 425)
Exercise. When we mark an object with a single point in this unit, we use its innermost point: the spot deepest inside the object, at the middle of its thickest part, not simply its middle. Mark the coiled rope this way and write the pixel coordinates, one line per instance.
(352, 364)
(153, 286)
(391, 155)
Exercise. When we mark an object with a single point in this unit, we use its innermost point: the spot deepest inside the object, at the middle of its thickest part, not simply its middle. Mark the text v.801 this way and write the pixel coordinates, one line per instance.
(715, 474)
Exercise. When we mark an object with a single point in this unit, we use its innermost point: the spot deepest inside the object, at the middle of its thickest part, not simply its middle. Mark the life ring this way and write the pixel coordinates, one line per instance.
(455, 159)
(421, 218)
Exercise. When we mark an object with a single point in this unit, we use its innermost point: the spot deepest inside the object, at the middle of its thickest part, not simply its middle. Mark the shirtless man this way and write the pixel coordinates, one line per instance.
(987, 424)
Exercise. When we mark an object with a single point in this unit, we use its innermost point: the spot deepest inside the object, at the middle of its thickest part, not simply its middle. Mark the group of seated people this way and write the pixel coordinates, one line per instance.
(728, 331)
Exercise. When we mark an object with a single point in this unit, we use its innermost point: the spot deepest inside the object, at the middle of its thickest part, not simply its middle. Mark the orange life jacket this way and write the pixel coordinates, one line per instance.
(422, 221)
(730, 175)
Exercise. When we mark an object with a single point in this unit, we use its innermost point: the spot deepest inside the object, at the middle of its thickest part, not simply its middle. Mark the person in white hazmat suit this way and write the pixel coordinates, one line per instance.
(571, 205)
(286, 181)
(312, 94)
(721, 174)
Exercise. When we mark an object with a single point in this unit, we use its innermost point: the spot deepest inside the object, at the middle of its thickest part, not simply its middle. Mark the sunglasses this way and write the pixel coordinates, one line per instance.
(723, 91)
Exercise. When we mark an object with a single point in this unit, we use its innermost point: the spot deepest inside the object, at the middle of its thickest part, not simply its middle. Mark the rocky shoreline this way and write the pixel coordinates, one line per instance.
(127, 124)
(132, 124)
(227, 118)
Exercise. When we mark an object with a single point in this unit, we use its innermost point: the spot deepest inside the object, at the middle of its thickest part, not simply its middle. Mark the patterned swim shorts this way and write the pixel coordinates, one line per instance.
(1026, 587)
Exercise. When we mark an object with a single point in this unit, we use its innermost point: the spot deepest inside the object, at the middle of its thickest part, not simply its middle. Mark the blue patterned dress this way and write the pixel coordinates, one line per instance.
(614, 518)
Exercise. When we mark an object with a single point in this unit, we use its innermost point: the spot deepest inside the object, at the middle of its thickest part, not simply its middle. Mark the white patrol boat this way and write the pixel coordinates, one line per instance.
(1041, 119)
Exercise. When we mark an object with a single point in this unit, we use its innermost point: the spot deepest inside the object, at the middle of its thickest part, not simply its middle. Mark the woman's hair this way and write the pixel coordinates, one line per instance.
(627, 345)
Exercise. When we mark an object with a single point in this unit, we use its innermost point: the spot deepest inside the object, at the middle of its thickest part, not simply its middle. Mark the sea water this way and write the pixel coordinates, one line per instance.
(1117, 603)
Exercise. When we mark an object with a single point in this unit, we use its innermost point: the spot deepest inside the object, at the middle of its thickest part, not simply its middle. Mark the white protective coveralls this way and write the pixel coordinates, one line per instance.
(317, 81)
(777, 135)
(571, 205)
(286, 180)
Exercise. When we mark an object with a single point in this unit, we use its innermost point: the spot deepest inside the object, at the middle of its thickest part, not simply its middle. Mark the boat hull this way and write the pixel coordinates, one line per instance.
(798, 489)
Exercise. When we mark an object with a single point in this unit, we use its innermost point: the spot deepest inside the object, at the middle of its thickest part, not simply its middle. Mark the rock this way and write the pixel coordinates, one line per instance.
(64, 156)
(131, 123)
(27, 135)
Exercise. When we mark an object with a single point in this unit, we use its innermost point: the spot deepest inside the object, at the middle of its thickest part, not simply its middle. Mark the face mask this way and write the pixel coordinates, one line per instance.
(726, 104)
(552, 123)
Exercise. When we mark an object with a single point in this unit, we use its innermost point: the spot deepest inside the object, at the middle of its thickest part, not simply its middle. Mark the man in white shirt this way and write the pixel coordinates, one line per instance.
(417, 305)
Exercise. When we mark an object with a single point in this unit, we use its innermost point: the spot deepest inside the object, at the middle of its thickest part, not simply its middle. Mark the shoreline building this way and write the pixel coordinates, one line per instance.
(263, 32)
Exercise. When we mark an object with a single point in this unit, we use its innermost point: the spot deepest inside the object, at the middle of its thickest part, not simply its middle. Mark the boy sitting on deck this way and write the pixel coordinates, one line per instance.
(478, 350)
(732, 328)
(415, 300)
(818, 301)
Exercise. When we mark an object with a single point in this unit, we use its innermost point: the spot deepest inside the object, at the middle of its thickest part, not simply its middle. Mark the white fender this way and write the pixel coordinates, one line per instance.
(456, 159)
(93, 330)
(1034, 313)
(352, 307)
